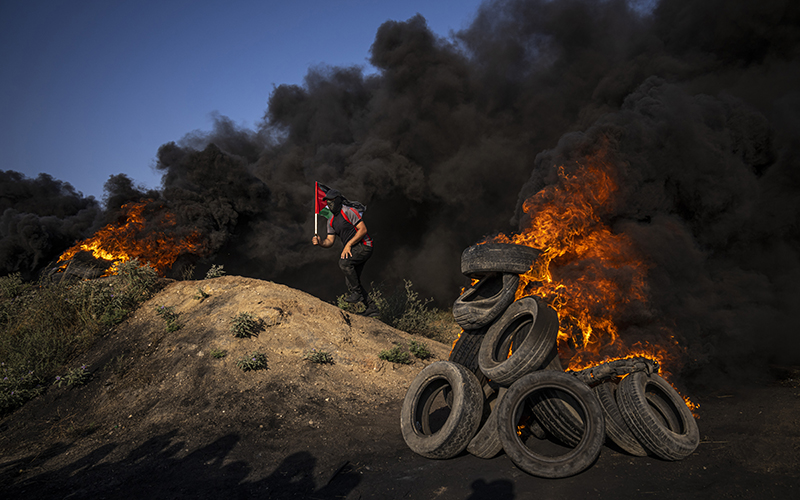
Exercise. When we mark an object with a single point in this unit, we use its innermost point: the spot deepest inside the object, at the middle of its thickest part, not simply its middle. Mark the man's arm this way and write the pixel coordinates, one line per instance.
(361, 231)
(326, 243)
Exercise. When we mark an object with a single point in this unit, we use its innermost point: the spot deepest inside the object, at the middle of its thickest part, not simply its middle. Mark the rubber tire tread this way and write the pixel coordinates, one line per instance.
(479, 260)
(553, 362)
(461, 425)
(576, 460)
(486, 443)
(559, 418)
(532, 351)
(471, 310)
(465, 351)
(657, 438)
(616, 428)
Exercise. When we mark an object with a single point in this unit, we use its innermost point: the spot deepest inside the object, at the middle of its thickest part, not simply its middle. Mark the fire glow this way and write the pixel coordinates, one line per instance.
(157, 242)
(586, 272)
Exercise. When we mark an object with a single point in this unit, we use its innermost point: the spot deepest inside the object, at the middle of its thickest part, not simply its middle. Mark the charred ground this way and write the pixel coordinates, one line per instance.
(162, 416)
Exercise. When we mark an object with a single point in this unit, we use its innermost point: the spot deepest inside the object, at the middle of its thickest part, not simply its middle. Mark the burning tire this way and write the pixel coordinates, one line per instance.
(530, 327)
(486, 443)
(479, 260)
(429, 426)
(657, 415)
(542, 457)
(482, 303)
(616, 428)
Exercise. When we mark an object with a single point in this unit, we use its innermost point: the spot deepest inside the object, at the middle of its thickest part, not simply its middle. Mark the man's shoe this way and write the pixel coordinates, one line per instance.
(371, 311)
(354, 298)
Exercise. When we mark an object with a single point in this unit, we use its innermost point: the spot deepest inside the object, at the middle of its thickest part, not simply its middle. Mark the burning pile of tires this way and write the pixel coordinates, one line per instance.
(504, 389)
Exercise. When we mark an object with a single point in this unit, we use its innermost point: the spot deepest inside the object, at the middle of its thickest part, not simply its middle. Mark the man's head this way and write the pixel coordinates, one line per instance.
(334, 200)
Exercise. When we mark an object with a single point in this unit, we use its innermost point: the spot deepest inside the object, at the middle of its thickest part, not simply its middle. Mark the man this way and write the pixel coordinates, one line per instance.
(348, 225)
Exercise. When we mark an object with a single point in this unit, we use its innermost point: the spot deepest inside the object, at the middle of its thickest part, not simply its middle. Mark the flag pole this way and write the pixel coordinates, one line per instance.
(316, 209)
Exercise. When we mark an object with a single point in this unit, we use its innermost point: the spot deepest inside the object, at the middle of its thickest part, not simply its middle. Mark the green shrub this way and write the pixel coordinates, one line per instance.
(218, 353)
(11, 286)
(108, 301)
(405, 310)
(396, 354)
(201, 294)
(74, 377)
(245, 325)
(255, 361)
(319, 357)
(46, 323)
(169, 315)
(187, 273)
(215, 272)
(419, 349)
(401, 353)
(17, 387)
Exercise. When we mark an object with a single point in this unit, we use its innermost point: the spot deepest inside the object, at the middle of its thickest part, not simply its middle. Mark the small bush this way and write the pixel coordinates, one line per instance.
(218, 353)
(405, 310)
(75, 377)
(245, 325)
(401, 353)
(201, 294)
(11, 286)
(396, 354)
(215, 272)
(16, 388)
(187, 273)
(255, 361)
(419, 349)
(319, 357)
(169, 315)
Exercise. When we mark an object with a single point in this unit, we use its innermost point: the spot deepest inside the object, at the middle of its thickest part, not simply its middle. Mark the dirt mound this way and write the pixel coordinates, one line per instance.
(162, 397)
(161, 417)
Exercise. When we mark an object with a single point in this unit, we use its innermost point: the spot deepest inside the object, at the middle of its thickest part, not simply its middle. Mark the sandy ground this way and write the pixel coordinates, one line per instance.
(162, 417)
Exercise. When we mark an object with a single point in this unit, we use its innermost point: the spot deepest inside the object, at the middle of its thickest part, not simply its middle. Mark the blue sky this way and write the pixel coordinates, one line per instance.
(92, 88)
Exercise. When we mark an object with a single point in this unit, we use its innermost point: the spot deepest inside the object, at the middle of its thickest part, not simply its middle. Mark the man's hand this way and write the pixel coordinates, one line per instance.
(347, 252)
(315, 240)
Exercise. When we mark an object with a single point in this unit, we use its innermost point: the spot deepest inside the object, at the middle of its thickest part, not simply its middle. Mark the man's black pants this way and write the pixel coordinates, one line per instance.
(352, 268)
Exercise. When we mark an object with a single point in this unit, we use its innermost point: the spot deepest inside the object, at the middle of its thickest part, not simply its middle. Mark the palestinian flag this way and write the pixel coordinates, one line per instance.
(320, 207)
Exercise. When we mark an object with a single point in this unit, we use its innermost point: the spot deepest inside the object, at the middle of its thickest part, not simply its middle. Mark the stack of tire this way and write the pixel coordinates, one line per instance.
(504, 388)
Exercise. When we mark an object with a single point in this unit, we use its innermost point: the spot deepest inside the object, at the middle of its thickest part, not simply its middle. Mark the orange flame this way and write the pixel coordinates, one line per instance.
(129, 239)
(586, 272)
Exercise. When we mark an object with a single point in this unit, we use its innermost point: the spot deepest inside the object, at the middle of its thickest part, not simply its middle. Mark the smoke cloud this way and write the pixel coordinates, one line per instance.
(697, 102)
(40, 218)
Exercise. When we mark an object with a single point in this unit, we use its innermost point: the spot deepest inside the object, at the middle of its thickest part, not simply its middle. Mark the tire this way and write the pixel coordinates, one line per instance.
(465, 351)
(673, 435)
(558, 416)
(616, 428)
(479, 260)
(662, 412)
(577, 459)
(532, 328)
(553, 362)
(461, 424)
(482, 303)
(486, 443)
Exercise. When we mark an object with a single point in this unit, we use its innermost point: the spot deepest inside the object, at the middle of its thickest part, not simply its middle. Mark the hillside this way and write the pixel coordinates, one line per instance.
(162, 395)
(162, 417)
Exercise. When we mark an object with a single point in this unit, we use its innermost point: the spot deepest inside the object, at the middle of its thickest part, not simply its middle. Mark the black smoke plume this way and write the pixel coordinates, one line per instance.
(698, 102)
(40, 218)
